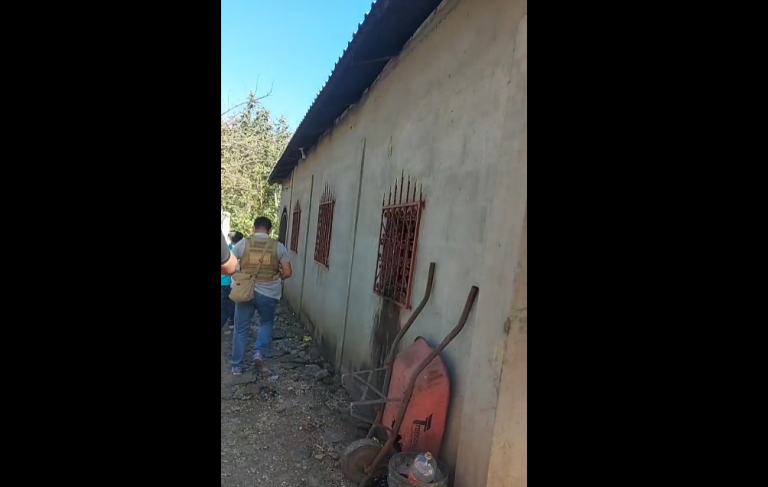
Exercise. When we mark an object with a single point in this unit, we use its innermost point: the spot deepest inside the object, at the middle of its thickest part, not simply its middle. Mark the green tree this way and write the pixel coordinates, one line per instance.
(251, 143)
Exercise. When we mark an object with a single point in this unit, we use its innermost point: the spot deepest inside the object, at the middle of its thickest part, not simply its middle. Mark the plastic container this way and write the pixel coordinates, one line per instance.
(423, 469)
(400, 465)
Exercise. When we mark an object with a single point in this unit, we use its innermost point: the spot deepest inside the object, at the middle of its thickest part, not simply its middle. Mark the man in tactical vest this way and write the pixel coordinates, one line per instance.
(267, 260)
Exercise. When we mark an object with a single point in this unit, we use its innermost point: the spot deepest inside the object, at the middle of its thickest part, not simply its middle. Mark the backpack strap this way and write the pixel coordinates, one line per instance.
(246, 258)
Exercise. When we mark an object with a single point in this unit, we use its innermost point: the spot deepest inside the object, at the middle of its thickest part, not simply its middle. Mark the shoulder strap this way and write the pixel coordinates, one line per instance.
(245, 259)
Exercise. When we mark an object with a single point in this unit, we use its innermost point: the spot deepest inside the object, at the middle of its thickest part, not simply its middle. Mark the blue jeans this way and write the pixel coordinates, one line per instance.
(227, 307)
(266, 308)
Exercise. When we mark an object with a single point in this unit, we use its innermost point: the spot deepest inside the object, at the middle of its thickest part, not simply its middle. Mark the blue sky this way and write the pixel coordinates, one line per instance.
(294, 43)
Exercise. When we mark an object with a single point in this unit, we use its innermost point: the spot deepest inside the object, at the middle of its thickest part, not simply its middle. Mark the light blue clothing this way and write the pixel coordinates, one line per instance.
(226, 280)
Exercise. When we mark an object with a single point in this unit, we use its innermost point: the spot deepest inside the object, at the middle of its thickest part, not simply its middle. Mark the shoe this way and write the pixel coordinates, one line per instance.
(237, 371)
(258, 359)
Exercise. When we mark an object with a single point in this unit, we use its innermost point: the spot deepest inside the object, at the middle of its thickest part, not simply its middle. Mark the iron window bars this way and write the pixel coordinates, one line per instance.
(398, 239)
(324, 227)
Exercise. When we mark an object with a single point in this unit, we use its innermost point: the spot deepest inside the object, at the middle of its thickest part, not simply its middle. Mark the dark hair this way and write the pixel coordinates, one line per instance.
(262, 222)
(237, 237)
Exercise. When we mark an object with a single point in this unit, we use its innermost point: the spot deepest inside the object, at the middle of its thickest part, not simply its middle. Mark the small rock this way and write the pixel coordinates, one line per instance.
(333, 436)
(283, 407)
(246, 378)
(324, 411)
(269, 391)
(319, 456)
(278, 335)
(330, 406)
(300, 454)
(312, 369)
(322, 374)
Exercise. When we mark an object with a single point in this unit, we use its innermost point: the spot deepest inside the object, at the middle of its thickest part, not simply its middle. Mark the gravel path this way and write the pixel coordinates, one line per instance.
(287, 425)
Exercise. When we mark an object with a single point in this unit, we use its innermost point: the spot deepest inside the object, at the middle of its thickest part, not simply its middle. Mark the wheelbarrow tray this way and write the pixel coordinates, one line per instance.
(423, 426)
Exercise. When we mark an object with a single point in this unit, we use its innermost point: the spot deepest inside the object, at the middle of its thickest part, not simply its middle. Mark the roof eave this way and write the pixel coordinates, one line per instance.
(379, 38)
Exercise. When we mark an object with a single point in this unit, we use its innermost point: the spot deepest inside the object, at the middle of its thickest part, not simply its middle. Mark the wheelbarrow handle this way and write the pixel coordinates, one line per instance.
(412, 383)
(390, 361)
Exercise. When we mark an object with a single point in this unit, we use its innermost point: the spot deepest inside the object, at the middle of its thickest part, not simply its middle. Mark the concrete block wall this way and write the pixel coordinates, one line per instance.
(451, 114)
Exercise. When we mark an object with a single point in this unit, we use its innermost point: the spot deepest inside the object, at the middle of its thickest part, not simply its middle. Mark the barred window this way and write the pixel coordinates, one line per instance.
(324, 226)
(295, 225)
(398, 238)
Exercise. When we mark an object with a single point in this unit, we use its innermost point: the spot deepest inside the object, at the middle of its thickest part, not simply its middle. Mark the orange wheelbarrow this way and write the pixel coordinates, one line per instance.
(414, 411)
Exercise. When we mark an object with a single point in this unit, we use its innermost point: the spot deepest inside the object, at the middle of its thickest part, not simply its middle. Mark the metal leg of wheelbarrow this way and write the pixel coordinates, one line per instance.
(360, 454)
(364, 401)
(390, 361)
(412, 384)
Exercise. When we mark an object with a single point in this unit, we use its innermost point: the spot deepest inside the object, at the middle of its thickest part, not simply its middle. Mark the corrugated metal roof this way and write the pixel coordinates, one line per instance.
(379, 37)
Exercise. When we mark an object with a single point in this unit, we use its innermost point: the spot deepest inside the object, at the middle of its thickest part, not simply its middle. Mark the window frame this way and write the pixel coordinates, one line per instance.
(295, 228)
(398, 244)
(324, 227)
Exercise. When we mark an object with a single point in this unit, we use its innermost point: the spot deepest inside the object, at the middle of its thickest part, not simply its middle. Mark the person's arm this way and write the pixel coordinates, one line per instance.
(228, 259)
(285, 263)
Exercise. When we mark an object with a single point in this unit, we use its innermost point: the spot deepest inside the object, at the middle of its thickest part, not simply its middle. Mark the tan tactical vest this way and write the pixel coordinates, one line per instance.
(260, 259)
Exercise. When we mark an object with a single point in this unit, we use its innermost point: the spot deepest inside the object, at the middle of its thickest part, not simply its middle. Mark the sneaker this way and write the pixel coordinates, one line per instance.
(237, 371)
(258, 359)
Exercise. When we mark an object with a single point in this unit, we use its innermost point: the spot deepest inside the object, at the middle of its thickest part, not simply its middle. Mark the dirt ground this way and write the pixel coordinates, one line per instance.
(287, 425)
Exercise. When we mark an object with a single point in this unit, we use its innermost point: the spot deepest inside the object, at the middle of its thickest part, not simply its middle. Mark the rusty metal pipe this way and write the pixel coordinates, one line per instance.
(390, 362)
(412, 384)
(371, 387)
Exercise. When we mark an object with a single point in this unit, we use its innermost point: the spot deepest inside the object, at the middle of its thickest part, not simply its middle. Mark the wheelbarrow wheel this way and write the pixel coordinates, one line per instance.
(358, 455)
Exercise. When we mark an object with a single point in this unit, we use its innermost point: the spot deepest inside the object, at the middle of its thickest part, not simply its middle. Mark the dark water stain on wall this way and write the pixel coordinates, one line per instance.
(386, 325)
